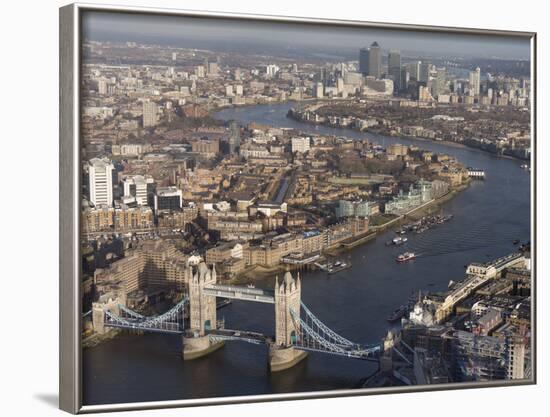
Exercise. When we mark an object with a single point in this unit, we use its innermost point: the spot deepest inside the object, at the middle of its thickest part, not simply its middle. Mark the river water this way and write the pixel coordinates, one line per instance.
(488, 216)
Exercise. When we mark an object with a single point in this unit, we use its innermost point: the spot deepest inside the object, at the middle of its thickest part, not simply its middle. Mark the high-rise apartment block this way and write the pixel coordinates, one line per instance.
(234, 137)
(475, 82)
(150, 110)
(168, 198)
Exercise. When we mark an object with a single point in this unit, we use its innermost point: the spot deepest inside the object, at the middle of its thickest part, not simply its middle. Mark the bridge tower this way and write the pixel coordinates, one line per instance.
(287, 297)
(107, 302)
(202, 307)
(282, 354)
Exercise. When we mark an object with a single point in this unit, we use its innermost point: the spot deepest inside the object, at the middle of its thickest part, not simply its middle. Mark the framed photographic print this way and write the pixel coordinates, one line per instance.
(259, 208)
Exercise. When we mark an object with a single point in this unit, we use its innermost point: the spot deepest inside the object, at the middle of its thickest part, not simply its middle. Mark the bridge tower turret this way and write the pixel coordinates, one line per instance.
(107, 302)
(202, 307)
(287, 298)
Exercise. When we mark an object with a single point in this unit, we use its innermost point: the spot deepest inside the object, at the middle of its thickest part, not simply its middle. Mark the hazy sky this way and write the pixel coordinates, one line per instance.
(270, 37)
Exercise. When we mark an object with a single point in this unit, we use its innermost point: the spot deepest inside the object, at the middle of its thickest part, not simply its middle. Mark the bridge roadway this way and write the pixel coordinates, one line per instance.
(240, 335)
(240, 293)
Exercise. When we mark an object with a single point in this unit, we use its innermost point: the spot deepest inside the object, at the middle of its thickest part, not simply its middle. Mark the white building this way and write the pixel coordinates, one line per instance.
(100, 174)
(138, 186)
(301, 144)
(271, 70)
(475, 82)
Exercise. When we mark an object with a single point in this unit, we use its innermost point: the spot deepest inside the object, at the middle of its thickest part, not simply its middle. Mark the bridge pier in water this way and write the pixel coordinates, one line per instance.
(197, 347)
(282, 354)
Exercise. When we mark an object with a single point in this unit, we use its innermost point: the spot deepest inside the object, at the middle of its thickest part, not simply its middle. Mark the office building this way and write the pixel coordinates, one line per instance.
(140, 187)
(100, 175)
(168, 198)
(425, 69)
(394, 68)
(414, 70)
(364, 61)
(375, 60)
(405, 78)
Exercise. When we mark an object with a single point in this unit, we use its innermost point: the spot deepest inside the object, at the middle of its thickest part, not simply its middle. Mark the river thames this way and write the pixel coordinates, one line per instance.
(488, 216)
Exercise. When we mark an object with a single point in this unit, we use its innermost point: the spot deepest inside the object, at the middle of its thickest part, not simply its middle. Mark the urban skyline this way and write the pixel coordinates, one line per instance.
(212, 33)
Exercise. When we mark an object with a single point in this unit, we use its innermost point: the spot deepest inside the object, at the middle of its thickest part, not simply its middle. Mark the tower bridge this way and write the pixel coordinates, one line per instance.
(297, 329)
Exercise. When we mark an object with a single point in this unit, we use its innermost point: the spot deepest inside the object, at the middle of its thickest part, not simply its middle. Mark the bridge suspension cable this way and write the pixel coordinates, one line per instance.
(313, 335)
(171, 321)
(333, 335)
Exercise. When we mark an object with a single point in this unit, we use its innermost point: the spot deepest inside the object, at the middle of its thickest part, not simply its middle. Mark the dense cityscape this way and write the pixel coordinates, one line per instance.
(186, 212)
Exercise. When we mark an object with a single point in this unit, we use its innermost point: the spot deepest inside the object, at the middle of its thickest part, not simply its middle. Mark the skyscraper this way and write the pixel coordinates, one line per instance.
(414, 70)
(424, 75)
(149, 114)
(394, 68)
(475, 82)
(234, 137)
(439, 83)
(364, 61)
(100, 176)
(405, 77)
(375, 60)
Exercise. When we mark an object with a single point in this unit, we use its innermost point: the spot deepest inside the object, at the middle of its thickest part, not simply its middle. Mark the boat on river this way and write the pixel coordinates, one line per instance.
(407, 256)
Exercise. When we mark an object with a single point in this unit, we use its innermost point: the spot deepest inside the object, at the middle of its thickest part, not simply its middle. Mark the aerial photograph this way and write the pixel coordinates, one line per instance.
(276, 207)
